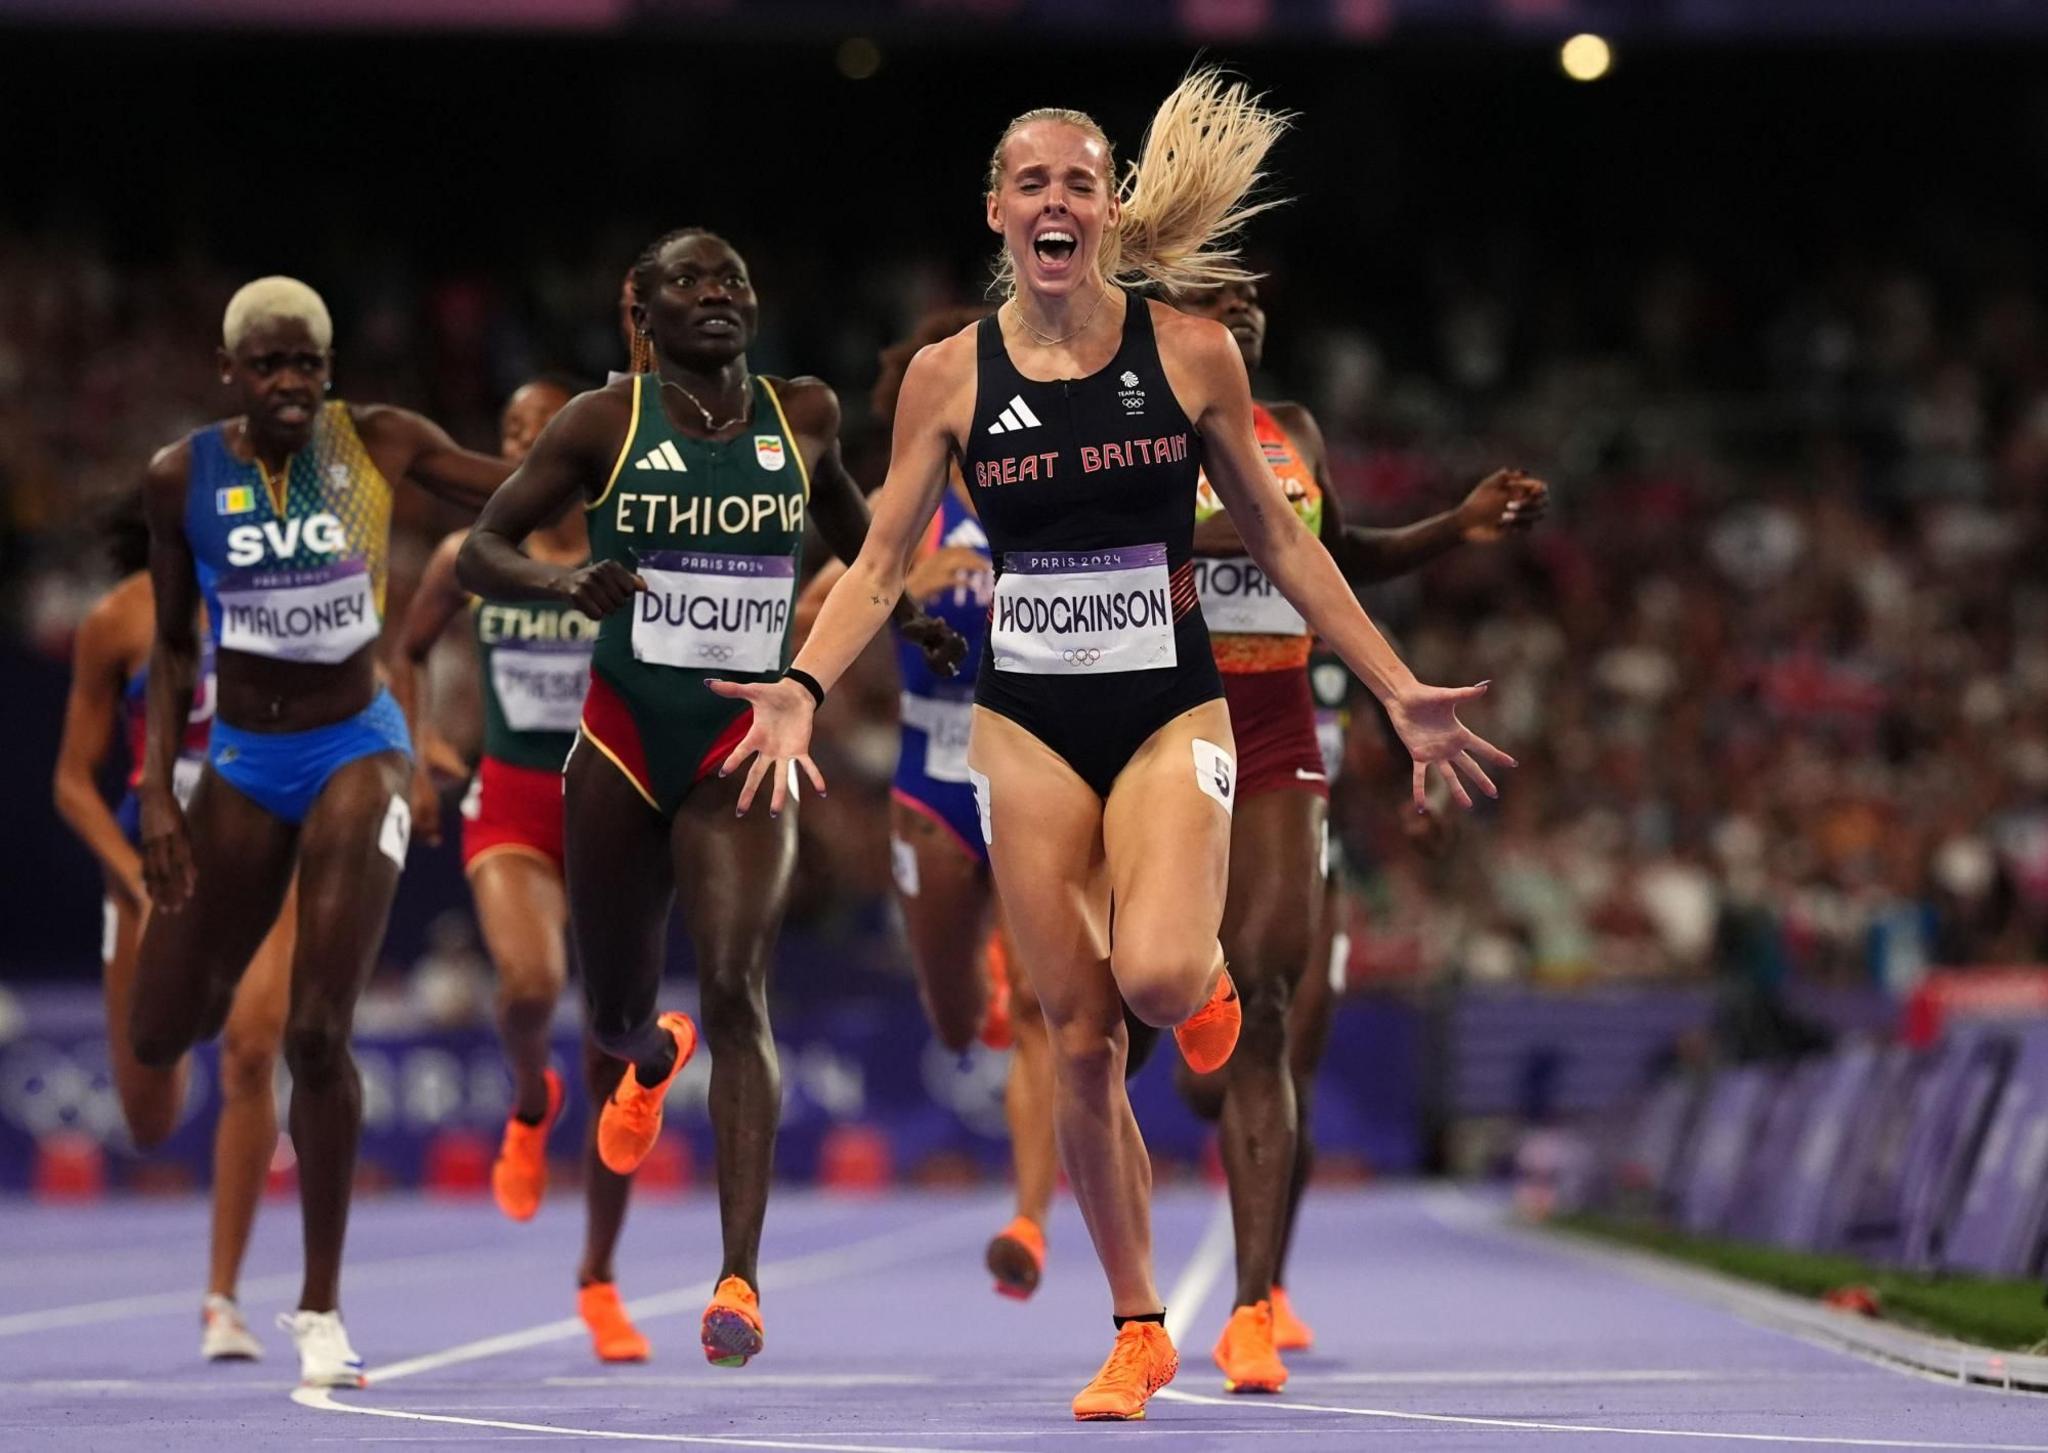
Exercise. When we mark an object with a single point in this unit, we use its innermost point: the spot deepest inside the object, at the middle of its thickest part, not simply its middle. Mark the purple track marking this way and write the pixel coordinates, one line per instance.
(883, 1335)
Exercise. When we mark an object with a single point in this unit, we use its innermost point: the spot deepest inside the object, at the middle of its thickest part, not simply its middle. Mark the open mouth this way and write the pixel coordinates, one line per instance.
(291, 413)
(1055, 248)
(719, 325)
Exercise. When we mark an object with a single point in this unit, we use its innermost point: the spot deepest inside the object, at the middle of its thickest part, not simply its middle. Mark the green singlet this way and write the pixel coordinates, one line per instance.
(536, 665)
(716, 530)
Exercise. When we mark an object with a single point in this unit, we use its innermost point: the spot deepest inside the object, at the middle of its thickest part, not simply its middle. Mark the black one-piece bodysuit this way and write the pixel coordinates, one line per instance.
(1086, 489)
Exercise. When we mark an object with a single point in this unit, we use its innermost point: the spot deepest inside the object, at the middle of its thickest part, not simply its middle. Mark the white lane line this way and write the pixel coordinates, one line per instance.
(1201, 1274)
(321, 1398)
(284, 1283)
(1526, 1425)
(883, 1249)
(772, 1379)
(1561, 1378)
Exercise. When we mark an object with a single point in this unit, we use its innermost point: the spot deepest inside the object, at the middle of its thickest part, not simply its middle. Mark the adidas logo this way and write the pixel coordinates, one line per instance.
(665, 456)
(966, 535)
(1015, 417)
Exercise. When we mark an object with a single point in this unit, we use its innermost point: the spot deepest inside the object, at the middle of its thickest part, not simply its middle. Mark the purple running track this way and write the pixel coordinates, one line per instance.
(1436, 1331)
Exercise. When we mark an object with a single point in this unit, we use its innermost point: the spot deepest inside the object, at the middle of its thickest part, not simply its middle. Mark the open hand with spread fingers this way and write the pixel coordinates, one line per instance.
(780, 735)
(1426, 719)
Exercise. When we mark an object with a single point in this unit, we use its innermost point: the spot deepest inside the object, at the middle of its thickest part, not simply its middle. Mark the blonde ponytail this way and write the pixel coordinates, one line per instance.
(1191, 189)
(1188, 194)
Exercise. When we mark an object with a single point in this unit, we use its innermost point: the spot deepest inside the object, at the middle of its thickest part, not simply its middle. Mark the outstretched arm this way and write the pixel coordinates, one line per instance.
(571, 461)
(842, 515)
(434, 462)
(1505, 500)
(433, 605)
(91, 710)
(173, 677)
(1425, 716)
(934, 393)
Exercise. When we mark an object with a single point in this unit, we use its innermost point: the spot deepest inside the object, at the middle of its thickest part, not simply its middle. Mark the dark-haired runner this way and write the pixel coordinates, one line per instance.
(696, 478)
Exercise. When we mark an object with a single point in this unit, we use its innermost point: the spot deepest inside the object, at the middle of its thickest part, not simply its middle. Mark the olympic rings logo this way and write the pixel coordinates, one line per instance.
(714, 653)
(1081, 656)
(1134, 404)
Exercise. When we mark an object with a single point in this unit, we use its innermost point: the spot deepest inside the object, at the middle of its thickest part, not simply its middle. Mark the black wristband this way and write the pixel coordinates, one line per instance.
(808, 682)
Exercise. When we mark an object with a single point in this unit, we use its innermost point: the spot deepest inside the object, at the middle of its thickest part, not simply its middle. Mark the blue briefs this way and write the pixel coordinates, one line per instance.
(283, 772)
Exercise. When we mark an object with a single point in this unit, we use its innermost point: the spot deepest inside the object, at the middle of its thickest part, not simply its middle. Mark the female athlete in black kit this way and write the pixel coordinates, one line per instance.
(1101, 746)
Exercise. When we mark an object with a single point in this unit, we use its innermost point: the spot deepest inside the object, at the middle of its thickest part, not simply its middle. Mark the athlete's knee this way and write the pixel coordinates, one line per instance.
(734, 1001)
(316, 1049)
(1164, 986)
(526, 1006)
(248, 1063)
(1091, 1056)
(1262, 1036)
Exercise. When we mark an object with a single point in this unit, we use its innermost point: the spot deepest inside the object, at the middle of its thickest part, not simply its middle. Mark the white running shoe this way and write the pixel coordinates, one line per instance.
(325, 1358)
(223, 1335)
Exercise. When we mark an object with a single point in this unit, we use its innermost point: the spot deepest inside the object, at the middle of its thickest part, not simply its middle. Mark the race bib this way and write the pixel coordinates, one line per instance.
(713, 612)
(324, 615)
(1240, 599)
(1083, 612)
(540, 685)
(946, 726)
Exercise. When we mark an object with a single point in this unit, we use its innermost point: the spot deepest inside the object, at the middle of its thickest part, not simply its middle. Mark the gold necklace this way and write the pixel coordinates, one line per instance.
(712, 426)
(1047, 339)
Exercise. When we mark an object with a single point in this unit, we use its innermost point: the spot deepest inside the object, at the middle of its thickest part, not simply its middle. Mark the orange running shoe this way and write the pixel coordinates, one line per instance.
(630, 1122)
(1245, 1351)
(612, 1334)
(1290, 1333)
(519, 1176)
(732, 1324)
(1142, 1362)
(996, 1029)
(1016, 1258)
(1207, 1037)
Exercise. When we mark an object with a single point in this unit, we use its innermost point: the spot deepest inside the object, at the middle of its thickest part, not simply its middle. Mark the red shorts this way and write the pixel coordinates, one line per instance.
(1273, 717)
(512, 810)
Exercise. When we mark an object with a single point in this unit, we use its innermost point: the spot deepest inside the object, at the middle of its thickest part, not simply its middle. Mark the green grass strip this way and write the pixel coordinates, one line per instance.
(2008, 1315)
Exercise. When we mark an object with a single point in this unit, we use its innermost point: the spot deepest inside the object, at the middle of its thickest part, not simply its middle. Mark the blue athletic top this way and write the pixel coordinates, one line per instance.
(937, 710)
(292, 568)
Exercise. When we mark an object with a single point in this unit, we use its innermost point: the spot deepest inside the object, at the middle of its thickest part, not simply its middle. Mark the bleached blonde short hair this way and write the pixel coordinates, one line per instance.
(271, 299)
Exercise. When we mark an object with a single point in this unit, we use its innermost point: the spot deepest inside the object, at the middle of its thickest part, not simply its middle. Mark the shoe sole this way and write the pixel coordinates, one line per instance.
(1249, 1385)
(617, 1357)
(355, 1380)
(234, 1356)
(1013, 1266)
(730, 1340)
(1137, 1417)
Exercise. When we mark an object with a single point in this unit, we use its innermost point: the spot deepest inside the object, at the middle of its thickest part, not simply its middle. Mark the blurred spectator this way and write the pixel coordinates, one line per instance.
(1777, 670)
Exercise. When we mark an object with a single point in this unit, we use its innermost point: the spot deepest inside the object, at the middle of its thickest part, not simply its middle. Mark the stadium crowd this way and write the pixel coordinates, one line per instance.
(1776, 670)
